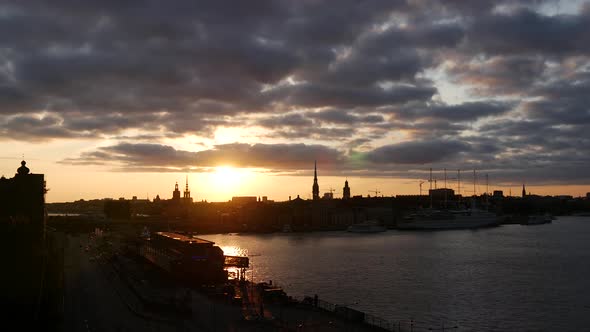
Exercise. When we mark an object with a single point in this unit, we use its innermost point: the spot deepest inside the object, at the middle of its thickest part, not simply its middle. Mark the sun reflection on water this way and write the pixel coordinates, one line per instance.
(234, 251)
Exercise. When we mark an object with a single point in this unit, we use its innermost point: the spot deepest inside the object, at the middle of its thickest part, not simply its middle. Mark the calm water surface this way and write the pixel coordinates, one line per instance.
(509, 278)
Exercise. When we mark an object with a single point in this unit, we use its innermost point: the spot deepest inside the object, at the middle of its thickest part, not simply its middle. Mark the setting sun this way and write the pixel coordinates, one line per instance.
(228, 178)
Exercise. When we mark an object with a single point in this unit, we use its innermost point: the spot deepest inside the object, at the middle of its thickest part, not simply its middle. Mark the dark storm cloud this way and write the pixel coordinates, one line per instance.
(145, 155)
(313, 95)
(417, 152)
(287, 120)
(504, 75)
(350, 74)
(39, 127)
(527, 31)
(469, 111)
(345, 117)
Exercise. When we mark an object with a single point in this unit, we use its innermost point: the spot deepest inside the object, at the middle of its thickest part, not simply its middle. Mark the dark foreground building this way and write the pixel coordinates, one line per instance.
(22, 198)
(32, 262)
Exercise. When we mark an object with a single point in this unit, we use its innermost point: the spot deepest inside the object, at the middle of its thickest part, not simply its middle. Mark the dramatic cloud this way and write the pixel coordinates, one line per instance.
(374, 86)
(417, 152)
(145, 155)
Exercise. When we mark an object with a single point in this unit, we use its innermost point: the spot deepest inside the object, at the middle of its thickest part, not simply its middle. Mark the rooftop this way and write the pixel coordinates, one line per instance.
(184, 238)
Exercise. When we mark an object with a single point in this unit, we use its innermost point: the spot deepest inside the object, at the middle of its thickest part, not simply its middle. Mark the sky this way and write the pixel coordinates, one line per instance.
(120, 98)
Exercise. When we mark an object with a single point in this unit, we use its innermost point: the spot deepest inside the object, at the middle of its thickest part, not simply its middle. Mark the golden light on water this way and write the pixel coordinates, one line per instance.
(234, 251)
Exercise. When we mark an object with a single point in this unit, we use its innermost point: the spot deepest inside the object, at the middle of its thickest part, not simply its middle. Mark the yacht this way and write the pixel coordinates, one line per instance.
(369, 226)
(538, 219)
(430, 219)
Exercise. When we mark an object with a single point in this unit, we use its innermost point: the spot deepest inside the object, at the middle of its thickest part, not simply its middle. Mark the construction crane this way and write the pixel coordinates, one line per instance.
(376, 191)
(331, 190)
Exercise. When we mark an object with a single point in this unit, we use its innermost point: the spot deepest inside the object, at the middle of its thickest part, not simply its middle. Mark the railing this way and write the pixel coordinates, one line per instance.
(372, 320)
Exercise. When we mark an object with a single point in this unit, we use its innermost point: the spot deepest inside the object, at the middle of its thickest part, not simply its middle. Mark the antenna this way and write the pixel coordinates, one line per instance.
(474, 181)
(445, 188)
(459, 181)
(430, 191)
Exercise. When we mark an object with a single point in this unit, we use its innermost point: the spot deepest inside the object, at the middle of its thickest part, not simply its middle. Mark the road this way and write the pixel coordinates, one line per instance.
(91, 301)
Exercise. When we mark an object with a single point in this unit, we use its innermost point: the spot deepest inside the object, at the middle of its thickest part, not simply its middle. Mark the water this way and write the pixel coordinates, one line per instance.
(509, 278)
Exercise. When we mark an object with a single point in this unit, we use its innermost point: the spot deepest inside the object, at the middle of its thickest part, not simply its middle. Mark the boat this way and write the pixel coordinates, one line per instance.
(369, 226)
(431, 219)
(538, 219)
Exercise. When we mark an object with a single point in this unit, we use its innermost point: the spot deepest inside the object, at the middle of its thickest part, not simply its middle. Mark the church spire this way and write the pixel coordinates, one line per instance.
(187, 192)
(315, 189)
(346, 190)
(523, 191)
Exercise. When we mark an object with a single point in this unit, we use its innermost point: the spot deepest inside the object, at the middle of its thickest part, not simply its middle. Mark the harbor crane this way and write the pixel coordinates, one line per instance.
(376, 191)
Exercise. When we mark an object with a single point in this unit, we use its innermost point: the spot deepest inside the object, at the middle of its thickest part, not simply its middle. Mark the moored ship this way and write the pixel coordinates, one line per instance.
(538, 219)
(448, 219)
(369, 226)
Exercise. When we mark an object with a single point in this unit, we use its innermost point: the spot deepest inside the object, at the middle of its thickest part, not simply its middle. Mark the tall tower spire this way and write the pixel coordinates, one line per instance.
(523, 191)
(187, 193)
(315, 189)
(176, 193)
(346, 190)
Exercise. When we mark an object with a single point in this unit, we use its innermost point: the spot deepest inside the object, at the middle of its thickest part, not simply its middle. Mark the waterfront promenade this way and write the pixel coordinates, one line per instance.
(103, 296)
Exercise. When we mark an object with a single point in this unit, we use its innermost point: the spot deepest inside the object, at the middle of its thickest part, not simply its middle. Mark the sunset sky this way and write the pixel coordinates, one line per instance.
(119, 98)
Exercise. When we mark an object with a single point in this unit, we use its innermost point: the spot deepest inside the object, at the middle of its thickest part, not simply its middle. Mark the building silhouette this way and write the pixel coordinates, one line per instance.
(187, 193)
(315, 189)
(32, 256)
(346, 191)
(176, 193)
(22, 198)
(523, 191)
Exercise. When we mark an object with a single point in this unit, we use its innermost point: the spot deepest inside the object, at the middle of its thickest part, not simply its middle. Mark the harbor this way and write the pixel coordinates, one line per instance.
(479, 280)
(160, 300)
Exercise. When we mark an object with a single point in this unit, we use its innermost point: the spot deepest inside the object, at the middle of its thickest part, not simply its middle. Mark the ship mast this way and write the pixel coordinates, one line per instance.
(459, 181)
(430, 191)
(474, 180)
(445, 170)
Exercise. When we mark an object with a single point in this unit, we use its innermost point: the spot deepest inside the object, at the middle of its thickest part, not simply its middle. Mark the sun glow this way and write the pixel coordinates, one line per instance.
(227, 178)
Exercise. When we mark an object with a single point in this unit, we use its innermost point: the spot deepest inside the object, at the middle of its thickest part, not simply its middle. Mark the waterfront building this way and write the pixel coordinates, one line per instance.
(346, 191)
(184, 257)
(315, 189)
(243, 200)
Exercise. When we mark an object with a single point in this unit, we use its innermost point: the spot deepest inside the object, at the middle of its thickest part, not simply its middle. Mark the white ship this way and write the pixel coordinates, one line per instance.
(448, 219)
(537, 219)
(369, 226)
